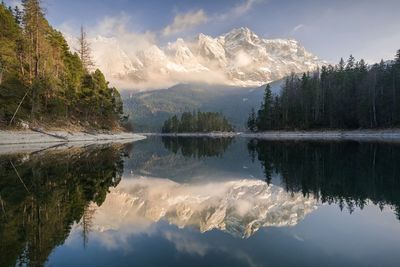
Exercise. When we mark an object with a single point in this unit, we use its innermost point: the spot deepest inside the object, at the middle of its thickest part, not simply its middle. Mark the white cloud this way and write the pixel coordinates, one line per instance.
(118, 48)
(242, 59)
(297, 28)
(118, 27)
(239, 10)
(187, 243)
(186, 21)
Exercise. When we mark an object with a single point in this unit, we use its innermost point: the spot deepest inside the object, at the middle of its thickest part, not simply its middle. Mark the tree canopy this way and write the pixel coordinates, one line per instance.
(350, 95)
(42, 81)
(191, 122)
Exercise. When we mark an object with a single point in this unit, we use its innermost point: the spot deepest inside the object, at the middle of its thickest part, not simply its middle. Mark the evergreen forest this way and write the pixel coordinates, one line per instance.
(349, 95)
(200, 122)
(43, 82)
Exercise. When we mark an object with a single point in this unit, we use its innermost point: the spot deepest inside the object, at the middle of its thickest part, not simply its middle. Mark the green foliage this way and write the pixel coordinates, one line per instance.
(35, 60)
(197, 122)
(346, 96)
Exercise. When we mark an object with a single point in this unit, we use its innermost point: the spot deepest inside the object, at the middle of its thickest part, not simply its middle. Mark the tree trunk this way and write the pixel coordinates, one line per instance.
(1, 75)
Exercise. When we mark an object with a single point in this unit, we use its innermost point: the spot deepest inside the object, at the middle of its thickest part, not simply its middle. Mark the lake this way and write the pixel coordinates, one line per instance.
(202, 202)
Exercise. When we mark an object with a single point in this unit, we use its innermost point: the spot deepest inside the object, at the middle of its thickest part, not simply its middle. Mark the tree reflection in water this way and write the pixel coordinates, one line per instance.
(349, 174)
(46, 193)
(197, 147)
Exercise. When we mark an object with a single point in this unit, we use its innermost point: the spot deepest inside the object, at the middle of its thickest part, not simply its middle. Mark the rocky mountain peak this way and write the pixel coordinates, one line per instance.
(239, 58)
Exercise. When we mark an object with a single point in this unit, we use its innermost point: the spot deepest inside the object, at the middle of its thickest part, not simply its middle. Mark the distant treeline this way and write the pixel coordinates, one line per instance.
(349, 95)
(42, 81)
(191, 122)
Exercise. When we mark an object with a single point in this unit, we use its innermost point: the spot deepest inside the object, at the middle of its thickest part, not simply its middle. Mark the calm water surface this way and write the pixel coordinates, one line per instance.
(202, 202)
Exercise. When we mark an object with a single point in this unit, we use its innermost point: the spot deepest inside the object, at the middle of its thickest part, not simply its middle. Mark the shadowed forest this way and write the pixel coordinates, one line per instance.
(43, 195)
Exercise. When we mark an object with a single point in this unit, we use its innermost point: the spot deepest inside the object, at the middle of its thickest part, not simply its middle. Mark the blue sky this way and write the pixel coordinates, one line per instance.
(330, 29)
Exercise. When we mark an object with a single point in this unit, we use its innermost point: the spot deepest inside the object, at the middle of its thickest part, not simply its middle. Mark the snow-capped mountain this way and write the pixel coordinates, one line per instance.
(238, 58)
(238, 207)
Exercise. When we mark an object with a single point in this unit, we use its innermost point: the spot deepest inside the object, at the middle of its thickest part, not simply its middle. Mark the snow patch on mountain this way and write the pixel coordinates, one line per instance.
(237, 58)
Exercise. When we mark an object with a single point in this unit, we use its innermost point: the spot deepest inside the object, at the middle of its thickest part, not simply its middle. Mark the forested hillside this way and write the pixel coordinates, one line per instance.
(43, 82)
(349, 95)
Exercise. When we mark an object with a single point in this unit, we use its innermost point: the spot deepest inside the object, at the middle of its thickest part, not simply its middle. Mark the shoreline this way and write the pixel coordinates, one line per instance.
(29, 138)
(392, 135)
(53, 137)
(14, 142)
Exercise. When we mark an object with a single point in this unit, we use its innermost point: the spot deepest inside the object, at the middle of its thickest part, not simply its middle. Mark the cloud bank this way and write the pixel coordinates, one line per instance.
(186, 21)
(137, 60)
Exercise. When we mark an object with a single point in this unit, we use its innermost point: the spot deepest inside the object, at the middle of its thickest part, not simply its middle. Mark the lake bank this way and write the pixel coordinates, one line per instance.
(42, 137)
(334, 135)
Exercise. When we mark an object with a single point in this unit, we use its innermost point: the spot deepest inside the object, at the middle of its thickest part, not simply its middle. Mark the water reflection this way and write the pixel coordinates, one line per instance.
(349, 174)
(43, 194)
(239, 208)
(197, 147)
(218, 202)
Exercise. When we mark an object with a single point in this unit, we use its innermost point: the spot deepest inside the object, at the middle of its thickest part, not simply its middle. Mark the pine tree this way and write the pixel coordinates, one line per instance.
(18, 14)
(35, 27)
(36, 64)
(346, 96)
(85, 50)
(350, 63)
(197, 122)
(397, 58)
(264, 118)
(251, 122)
(341, 64)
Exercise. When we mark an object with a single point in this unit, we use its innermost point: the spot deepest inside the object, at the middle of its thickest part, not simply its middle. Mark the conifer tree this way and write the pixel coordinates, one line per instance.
(397, 58)
(197, 122)
(18, 14)
(252, 120)
(264, 118)
(36, 64)
(341, 65)
(85, 50)
(346, 96)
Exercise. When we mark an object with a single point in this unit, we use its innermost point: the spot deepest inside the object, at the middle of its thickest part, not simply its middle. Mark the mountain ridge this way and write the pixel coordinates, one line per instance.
(237, 58)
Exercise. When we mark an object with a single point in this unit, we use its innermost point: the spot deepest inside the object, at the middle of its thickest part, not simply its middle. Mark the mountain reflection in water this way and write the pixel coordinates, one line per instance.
(197, 191)
(239, 208)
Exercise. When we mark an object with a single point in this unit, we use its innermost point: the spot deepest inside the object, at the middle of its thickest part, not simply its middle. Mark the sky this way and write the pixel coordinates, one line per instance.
(368, 29)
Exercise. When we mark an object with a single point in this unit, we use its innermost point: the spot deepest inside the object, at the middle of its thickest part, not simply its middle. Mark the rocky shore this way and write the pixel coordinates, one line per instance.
(36, 140)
